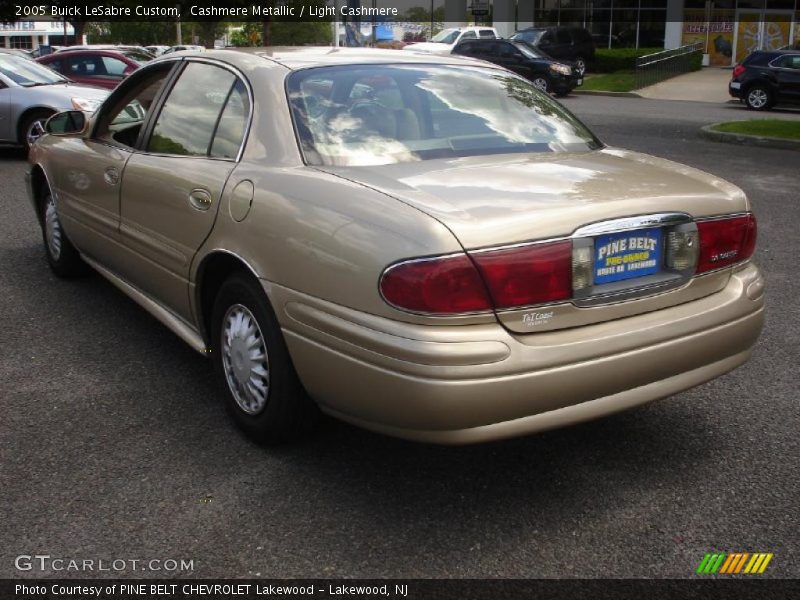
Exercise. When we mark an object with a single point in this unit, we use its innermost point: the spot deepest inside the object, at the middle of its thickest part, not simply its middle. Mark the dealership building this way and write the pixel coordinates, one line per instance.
(29, 35)
(730, 29)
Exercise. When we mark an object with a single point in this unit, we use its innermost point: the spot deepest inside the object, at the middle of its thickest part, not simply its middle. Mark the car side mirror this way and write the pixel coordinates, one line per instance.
(69, 122)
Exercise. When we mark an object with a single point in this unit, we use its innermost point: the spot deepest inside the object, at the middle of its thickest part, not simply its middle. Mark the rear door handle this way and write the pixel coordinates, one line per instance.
(200, 199)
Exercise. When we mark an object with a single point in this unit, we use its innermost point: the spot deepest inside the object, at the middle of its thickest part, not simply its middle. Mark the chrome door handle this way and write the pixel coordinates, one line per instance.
(200, 199)
(111, 176)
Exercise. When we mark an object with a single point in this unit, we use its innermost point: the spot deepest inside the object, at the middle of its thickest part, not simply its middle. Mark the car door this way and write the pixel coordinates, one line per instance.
(512, 59)
(787, 71)
(87, 181)
(171, 189)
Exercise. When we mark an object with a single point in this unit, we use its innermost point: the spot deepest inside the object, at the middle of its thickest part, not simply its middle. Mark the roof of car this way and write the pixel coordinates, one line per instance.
(303, 57)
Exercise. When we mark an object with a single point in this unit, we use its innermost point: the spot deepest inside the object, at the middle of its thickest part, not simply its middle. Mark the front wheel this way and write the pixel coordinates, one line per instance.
(32, 128)
(262, 391)
(63, 258)
(758, 98)
(541, 83)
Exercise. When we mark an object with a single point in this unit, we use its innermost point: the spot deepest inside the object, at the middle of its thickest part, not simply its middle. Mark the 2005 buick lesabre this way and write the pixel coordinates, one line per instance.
(427, 247)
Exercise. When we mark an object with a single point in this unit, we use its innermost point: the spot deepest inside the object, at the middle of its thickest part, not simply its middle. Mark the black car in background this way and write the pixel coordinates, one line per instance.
(545, 73)
(767, 78)
(574, 44)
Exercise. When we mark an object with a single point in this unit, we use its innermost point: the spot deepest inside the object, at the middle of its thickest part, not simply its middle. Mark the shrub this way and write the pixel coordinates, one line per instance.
(618, 59)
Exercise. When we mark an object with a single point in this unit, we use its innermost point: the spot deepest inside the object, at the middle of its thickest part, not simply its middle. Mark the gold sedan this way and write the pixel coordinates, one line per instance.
(427, 247)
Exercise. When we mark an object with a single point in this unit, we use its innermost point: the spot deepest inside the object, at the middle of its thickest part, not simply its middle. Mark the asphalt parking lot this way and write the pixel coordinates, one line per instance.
(115, 445)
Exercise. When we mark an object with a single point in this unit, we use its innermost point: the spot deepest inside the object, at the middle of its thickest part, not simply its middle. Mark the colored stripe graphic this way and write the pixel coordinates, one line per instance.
(733, 563)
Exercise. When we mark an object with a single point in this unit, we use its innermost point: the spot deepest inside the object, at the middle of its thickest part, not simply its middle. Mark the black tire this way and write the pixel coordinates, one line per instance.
(25, 126)
(286, 413)
(63, 258)
(758, 97)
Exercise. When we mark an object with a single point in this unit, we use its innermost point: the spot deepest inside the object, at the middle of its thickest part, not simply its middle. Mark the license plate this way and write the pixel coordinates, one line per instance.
(625, 255)
(580, 81)
(735, 85)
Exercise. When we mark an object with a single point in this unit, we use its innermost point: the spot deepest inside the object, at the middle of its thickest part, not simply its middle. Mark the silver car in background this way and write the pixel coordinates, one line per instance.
(30, 93)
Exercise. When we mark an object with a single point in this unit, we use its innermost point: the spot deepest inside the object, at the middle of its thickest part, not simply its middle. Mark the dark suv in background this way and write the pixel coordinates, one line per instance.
(765, 79)
(566, 43)
(547, 74)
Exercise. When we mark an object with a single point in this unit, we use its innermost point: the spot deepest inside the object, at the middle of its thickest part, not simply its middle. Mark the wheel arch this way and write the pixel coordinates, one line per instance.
(213, 270)
(39, 183)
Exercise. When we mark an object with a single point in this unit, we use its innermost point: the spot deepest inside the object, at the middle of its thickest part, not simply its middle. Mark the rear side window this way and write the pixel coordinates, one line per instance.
(790, 61)
(487, 33)
(581, 36)
(193, 110)
(232, 122)
(466, 48)
(562, 37)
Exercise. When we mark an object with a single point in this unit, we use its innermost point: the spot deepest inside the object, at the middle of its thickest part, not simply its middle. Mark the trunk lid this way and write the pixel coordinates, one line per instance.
(502, 200)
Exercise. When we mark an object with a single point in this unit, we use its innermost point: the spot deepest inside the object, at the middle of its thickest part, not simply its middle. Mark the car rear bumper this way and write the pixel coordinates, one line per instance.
(735, 89)
(474, 383)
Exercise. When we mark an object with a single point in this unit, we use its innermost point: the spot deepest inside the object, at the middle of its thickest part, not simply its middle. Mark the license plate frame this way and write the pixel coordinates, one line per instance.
(625, 255)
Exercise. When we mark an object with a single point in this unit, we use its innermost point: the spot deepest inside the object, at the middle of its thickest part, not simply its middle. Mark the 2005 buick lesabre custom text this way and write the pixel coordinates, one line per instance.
(427, 247)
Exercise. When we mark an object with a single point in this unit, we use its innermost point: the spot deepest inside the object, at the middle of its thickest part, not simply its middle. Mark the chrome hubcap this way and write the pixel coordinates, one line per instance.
(52, 228)
(244, 359)
(540, 84)
(757, 98)
(35, 131)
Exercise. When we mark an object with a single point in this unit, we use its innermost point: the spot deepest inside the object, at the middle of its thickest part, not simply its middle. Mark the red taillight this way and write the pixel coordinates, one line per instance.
(446, 285)
(738, 70)
(725, 242)
(532, 274)
(521, 276)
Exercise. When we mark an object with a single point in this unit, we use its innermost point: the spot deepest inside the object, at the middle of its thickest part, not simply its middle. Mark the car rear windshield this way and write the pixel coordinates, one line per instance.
(446, 36)
(382, 114)
(138, 57)
(27, 73)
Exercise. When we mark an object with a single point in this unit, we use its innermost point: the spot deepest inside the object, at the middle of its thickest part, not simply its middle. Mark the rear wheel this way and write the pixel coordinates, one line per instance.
(758, 98)
(32, 127)
(63, 258)
(262, 391)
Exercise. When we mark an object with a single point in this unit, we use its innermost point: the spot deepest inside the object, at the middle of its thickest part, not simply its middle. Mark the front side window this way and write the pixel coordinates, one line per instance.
(414, 112)
(190, 113)
(123, 115)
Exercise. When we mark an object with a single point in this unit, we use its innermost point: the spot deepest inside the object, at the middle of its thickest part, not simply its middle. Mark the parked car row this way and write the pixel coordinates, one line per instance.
(30, 93)
(554, 59)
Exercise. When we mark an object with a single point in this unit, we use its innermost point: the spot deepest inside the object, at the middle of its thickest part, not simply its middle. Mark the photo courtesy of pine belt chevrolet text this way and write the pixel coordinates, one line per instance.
(426, 246)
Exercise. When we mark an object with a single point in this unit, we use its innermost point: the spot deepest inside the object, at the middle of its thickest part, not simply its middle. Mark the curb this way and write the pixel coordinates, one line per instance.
(601, 93)
(748, 140)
